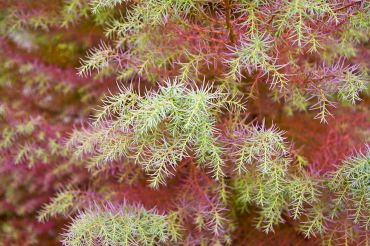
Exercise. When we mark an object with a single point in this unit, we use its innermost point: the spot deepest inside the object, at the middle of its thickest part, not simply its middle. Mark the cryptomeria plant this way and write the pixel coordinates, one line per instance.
(228, 115)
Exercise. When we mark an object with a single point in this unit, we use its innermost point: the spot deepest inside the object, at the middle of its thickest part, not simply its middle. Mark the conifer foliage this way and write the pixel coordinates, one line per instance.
(157, 130)
(184, 122)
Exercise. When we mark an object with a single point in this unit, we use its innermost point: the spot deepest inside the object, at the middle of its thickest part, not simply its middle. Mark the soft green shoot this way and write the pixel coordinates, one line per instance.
(302, 190)
(97, 59)
(74, 10)
(351, 86)
(125, 225)
(295, 14)
(351, 185)
(250, 9)
(191, 66)
(323, 105)
(150, 13)
(315, 223)
(159, 130)
(60, 204)
(266, 147)
(97, 5)
(296, 101)
(254, 53)
(268, 180)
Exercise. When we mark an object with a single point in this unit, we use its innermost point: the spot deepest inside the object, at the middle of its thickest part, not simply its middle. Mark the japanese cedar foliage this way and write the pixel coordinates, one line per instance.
(203, 86)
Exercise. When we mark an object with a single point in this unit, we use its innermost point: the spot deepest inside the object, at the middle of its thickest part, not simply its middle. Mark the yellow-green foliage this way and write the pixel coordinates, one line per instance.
(60, 204)
(351, 186)
(158, 130)
(124, 225)
(266, 178)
